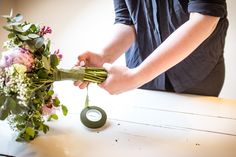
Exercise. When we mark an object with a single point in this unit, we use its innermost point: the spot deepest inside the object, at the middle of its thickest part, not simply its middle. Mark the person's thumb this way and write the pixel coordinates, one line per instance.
(83, 58)
(107, 66)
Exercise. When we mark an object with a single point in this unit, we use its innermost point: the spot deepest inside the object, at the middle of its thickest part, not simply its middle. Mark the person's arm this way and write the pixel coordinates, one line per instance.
(120, 40)
(177, 46)
(173, 50)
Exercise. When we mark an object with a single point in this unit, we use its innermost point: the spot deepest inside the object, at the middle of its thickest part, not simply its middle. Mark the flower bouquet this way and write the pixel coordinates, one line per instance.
(27, 72)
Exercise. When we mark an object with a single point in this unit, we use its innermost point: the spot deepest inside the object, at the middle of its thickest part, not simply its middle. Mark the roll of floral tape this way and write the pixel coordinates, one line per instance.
(93, 117)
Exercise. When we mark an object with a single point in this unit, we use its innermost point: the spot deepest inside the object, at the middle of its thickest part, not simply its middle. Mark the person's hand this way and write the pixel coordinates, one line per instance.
(120, 79)
(88, 58)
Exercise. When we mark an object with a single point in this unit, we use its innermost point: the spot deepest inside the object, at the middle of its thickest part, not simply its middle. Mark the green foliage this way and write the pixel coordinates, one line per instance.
(30, 131)
(54, 61)
(46, 63)
(64, 110)
(50, 92)
(52, 116)
(7, 105)
(56, 102)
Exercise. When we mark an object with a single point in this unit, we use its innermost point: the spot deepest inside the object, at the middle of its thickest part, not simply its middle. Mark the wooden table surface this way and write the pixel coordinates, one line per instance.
(140, 123)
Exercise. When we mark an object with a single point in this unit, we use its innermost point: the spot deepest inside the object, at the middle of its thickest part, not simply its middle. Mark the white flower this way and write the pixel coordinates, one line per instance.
(20, 68)
(9, 44)
(2, 78)
(16, 81)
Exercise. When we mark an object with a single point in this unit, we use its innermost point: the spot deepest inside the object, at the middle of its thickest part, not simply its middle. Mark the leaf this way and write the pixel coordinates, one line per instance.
(2, 100)
(42, 74)
(14, 23)
(8, 16)
(34, 28)
(18, 29)
(56, 102)
(4, 112)
(7, 105)
(18, 18)
(64, 110)
(7, 28)
(26, 27)
(11, 13)
(22, 37)
(16, 41)
(30, 131)
(50, 92)
(54, 61)
(11, 103)
(45, 128)
(39, 42)
(18, 109)
(37, 101)
(31, 44)
(11, 35)
(33, 36)
(53, 116)
(46, 63)
(47, 48)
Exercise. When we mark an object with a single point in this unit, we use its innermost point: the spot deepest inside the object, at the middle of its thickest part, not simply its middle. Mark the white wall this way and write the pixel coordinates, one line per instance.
(229, 88)
(83, 24)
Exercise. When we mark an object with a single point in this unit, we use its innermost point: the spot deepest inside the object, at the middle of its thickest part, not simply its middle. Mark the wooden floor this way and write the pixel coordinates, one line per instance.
(140, 123)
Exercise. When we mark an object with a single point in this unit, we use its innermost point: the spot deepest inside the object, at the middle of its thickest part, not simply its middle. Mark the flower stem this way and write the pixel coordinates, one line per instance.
(90, 74)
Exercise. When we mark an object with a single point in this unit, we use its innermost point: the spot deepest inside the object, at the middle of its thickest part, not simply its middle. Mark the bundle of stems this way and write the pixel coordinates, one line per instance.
(89, 74)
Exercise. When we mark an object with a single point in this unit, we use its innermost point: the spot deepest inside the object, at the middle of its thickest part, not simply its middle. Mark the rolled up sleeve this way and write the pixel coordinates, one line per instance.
(208, 7)
(122, 13)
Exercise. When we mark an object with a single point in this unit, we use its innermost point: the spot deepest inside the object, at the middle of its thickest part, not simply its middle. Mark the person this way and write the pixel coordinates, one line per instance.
(169, 45)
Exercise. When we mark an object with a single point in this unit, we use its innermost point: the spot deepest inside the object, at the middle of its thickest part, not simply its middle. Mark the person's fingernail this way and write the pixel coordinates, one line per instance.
(77, 83)
(82, 63)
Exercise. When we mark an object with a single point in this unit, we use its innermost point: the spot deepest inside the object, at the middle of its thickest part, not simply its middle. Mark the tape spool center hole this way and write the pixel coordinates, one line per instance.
(93, 115)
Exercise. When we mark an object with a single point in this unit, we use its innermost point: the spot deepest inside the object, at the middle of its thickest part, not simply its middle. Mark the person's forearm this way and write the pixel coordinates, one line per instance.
(122, 38)
(177, 46)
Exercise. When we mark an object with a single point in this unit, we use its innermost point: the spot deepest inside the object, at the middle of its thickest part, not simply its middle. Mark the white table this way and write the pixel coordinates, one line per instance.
(140, 123)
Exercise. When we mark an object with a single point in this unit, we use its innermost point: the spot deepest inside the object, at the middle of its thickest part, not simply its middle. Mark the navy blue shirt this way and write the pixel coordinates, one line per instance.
(155, 20)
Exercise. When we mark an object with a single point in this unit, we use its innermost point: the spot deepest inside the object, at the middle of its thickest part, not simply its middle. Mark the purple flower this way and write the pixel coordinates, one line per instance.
(45, 30)
(17, 56)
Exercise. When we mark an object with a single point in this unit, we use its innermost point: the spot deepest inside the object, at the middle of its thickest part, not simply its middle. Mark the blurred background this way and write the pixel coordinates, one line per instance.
(80, 25)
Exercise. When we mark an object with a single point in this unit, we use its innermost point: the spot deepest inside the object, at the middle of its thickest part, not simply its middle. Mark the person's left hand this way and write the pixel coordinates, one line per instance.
(120, 79)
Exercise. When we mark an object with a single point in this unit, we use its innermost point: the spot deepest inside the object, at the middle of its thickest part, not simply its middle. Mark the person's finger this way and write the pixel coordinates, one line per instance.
(83, 85)
(82, 63)
(84, 57)
(77, 83)
(107, 66)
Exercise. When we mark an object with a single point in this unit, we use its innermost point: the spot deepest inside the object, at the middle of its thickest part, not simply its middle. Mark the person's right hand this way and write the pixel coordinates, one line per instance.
(88, 58)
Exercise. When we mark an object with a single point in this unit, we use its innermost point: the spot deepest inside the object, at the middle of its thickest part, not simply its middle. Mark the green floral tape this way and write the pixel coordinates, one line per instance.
(93, 117)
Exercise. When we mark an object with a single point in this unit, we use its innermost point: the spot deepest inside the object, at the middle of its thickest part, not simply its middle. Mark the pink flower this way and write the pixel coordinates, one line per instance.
(45, 30)
(17, 56)
(48, 109)
(58, 54)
